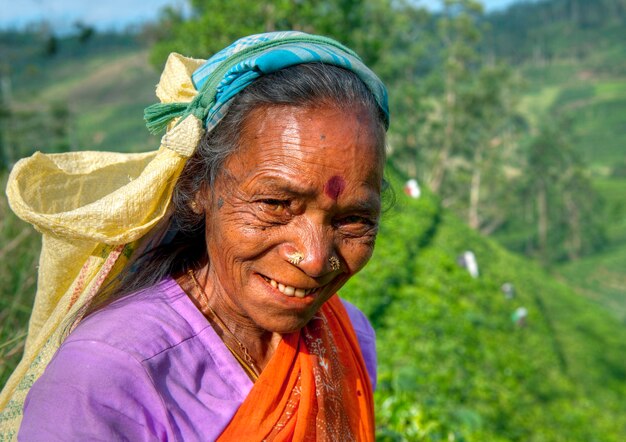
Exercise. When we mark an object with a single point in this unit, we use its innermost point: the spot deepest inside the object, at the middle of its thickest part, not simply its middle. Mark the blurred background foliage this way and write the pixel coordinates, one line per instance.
(513, 123)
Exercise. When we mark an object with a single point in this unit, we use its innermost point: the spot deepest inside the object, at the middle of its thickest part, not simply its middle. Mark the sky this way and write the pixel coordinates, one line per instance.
(114, 14)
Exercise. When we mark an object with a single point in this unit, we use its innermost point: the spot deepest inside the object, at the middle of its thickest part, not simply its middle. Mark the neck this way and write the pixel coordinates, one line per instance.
(234, 328)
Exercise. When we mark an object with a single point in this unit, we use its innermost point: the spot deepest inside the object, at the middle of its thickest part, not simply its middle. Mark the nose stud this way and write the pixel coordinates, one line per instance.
(295, 258)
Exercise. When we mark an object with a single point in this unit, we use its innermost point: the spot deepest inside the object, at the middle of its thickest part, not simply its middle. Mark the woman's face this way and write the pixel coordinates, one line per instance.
(305, 181)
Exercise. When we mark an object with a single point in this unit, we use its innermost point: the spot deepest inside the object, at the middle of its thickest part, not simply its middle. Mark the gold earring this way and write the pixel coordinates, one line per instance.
(194, 206)
(334, 263)
(295, 258)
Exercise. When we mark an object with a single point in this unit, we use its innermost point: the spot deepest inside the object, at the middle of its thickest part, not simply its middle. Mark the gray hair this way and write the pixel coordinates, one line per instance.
(305, 85)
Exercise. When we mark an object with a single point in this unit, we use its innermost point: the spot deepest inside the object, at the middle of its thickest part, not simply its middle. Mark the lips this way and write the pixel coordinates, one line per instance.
(288, 290)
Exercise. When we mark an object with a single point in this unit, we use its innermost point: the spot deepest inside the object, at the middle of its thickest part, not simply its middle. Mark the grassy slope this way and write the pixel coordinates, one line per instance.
(105, 86)
(453, 363)
(19, 253)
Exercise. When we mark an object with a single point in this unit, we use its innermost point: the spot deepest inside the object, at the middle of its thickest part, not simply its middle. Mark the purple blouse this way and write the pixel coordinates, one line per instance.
(147, 367)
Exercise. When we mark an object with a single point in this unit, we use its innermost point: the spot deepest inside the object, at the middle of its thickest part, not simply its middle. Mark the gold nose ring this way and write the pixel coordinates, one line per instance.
(334, 263)
(295, 258)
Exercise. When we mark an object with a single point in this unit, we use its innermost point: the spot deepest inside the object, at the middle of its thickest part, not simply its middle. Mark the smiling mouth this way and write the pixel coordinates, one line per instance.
(288, 290)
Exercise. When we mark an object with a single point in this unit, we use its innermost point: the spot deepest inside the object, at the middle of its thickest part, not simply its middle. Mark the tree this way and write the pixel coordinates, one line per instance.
(59, 119)
(215, 24)
(491, 125)
(458, 115)
(405, 66)
(565, 205)
(51, 46)
(84, 32)
(459, 35)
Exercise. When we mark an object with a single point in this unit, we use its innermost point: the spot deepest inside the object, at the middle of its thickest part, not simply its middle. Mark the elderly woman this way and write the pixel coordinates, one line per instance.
(225, 322)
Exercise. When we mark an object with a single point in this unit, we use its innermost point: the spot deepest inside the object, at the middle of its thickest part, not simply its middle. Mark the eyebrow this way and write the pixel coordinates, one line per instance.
(271, 184)
(365, 205)
(281, 186)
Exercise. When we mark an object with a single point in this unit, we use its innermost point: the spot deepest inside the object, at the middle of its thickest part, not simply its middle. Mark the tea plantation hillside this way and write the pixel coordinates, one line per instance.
(453, 365)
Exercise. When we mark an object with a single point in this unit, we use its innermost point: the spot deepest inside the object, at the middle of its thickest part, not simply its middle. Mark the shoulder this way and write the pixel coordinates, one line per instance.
(361, 324)
(143, 324)
(367, 338)
(143, 368)
(92, 389)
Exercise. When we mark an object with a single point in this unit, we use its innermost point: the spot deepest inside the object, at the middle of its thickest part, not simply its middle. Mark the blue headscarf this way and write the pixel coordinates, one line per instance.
(232, 69)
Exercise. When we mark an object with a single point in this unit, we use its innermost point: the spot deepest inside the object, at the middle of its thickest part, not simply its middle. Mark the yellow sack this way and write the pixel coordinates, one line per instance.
(92, 209)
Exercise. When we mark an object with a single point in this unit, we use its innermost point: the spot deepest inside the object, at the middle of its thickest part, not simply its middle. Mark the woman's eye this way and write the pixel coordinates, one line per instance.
(356, 226)
(275, 205)
(356, 220)
(353, 219)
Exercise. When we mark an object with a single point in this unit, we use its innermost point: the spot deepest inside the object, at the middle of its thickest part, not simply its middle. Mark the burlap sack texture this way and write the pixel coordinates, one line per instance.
(92, 208)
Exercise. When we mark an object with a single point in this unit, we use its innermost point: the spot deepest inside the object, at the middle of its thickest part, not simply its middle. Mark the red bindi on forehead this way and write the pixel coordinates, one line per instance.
(334, 186)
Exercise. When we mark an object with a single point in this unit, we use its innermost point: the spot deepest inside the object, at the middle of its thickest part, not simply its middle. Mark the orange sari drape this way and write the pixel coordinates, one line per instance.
(315, 387)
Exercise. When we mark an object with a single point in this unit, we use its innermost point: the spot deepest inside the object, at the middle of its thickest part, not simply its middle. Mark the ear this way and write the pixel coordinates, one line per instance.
(194, 207)
(196, 203)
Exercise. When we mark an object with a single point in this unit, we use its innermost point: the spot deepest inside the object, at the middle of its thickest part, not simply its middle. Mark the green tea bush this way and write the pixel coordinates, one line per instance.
(454, 366)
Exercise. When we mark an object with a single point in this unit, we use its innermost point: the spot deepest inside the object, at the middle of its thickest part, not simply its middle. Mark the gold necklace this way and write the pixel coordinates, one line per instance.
(244, 359)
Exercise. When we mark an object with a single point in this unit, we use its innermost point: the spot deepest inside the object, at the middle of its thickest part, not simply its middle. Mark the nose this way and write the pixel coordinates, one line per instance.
(312, 249)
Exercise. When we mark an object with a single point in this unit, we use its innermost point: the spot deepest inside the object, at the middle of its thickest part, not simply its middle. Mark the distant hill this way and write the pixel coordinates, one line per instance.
(572, 58)
(547, 30)
(102, 85)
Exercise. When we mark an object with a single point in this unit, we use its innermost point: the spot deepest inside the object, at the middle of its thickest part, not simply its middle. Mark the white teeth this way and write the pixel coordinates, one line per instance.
(288, 290)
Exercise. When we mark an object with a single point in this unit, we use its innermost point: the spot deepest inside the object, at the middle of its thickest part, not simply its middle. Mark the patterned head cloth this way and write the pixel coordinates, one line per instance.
(229, 71)
(93, 209)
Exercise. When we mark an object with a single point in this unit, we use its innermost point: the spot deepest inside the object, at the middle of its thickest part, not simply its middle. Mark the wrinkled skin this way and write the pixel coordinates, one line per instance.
(305, 180)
